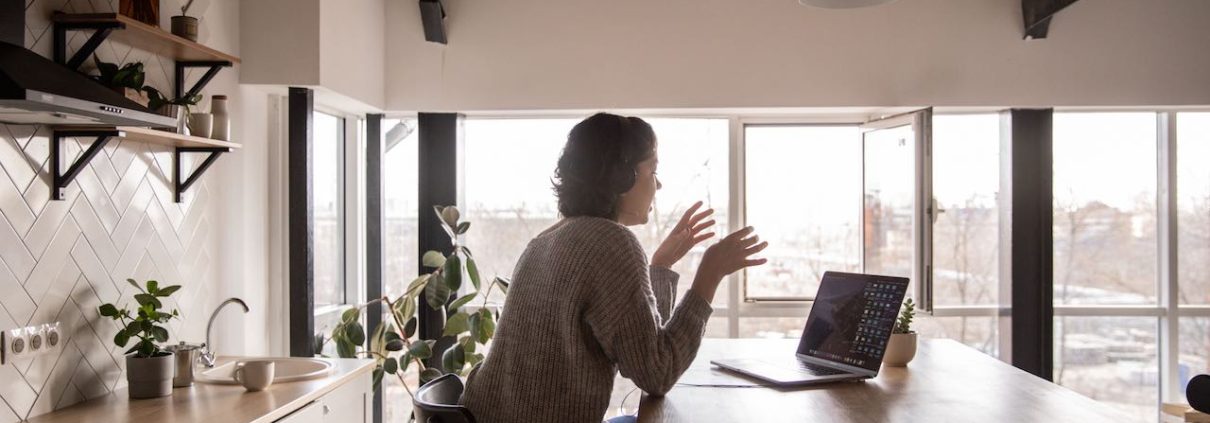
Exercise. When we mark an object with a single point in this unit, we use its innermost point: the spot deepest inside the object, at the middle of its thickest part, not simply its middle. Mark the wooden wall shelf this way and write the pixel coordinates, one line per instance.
(143, 36)
(171, 139)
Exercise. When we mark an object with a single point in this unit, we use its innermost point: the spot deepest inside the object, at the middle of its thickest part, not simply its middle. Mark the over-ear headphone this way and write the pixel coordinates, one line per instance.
(1198, 393)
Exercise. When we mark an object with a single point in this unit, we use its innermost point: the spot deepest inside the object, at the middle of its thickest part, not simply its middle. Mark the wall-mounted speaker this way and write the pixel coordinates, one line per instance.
(1198, 393)
(432, 15)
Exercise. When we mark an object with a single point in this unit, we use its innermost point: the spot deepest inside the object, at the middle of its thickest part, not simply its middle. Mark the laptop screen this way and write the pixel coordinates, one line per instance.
(852, 318)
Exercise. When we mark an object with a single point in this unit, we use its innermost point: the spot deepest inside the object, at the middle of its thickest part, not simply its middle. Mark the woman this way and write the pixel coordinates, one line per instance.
(584, 303)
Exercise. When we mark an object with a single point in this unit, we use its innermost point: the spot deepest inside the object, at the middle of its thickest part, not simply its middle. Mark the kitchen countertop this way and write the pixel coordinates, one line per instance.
(212, 403)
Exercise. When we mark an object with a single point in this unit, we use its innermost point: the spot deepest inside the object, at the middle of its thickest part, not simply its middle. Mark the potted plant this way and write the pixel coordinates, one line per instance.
(178, 108)
(126, 80)
(901, 348)
(149, 368)
(465, 329)
(184, 25)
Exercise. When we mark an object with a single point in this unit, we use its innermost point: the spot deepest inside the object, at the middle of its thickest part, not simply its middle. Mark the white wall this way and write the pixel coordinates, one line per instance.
(62, 259)
(591, 54)
(334, 46)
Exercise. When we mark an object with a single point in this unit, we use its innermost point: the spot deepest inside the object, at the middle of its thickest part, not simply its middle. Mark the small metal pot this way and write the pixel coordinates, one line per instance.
(186, 358)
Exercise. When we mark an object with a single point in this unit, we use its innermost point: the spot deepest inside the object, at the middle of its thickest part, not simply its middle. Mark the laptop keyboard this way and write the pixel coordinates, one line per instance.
(818, 370)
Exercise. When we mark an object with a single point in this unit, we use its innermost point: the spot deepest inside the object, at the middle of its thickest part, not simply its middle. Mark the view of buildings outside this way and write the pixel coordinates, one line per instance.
(327, 204)
(1105, 253)
(1105, 225)
(400, 249)
(1193, 237)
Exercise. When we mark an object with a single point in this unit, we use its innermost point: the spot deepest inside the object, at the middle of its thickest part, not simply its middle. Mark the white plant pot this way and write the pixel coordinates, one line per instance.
(900, 349)
(200, 124)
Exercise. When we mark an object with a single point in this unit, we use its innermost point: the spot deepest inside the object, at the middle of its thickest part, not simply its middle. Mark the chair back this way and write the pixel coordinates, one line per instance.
(437, 402)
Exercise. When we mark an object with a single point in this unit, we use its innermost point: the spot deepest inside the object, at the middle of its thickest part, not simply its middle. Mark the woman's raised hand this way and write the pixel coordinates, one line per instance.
(730, 254)
(690, 231)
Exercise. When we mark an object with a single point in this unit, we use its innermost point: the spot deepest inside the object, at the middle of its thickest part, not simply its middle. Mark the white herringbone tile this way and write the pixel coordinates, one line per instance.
(60, 260)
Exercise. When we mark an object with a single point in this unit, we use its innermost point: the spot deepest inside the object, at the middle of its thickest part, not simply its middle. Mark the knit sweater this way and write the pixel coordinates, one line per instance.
(582, 306)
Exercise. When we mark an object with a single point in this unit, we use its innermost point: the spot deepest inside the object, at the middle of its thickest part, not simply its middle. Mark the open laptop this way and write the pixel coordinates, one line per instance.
(845, 336)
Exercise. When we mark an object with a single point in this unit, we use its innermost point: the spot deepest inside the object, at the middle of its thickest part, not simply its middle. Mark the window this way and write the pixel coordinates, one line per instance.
(327, 204)
(1104, 208)
(400, 231)
(803, 195)
(508, 165)
(1193, 204)
(1105, 254)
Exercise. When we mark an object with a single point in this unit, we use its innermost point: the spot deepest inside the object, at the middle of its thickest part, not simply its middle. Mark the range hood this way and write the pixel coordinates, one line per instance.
(36, 90)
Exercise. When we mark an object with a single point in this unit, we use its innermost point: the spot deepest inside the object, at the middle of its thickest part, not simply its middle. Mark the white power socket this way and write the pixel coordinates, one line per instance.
(30, 341)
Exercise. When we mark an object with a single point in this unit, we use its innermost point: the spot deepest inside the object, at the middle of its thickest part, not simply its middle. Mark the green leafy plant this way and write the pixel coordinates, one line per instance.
(145, 322)
(465, 329)
(130, 75)
(904, 323)
(159, 100)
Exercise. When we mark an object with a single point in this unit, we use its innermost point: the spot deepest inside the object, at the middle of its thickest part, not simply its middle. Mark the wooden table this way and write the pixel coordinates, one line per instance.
(947, 382)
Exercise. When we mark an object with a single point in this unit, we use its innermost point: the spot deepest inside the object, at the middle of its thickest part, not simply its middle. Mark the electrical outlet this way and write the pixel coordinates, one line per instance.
(37, 339)
(54, 338)
(15, 345)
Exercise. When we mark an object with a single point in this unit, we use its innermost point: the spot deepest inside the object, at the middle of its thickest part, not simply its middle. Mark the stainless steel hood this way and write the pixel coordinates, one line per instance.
(36, 90)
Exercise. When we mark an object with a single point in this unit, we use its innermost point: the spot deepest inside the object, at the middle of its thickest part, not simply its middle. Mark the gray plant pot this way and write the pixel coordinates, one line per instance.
(150, 377)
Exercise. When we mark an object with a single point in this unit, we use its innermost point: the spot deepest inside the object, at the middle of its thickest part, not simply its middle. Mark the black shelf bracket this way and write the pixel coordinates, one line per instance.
(182, 182)
(212, 69)
(59, 180)
(102, 31)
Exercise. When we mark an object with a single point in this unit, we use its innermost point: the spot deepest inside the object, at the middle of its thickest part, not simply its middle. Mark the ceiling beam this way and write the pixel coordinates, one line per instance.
(1037, 14)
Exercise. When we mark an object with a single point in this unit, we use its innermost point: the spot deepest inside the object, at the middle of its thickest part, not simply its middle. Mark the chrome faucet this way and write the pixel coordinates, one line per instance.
(207, 355)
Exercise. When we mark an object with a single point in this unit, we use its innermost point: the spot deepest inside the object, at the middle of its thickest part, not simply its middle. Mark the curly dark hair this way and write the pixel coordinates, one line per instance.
(599, 164)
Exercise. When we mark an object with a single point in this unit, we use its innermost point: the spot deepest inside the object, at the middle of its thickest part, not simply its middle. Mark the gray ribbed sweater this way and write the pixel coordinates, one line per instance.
(583, 305)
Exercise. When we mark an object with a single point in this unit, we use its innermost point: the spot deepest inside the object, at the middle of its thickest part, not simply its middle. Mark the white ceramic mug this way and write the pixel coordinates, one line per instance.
(254, 375)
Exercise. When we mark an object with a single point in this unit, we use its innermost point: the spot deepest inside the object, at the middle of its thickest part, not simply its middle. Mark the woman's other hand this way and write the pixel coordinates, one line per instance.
(730, 254)
(690, 231)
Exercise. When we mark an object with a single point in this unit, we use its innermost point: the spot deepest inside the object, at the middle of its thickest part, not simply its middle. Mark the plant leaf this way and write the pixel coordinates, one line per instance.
(436, 292)
(468, 343)
(394, 345)
(456, 324)
(417, 285)
(487, 326)
(135, 284)
(390, 365)
(453, 360)
(108, 310)
(421, 349)
(409, 328)
(153, 287)
(502, 283)
(355, 333)
(474, 359)
(405, 308)
(350, 315)
(345, 348)
(167, 290)
(159, 333)
(433, 258)
(452, 274)
(472, 269)
(463, 227)
(121, 338)
(461, 301)
(145, 299)
(450, 215)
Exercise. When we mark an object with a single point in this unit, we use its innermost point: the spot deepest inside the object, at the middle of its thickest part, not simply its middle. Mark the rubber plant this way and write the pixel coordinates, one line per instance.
(466, 329)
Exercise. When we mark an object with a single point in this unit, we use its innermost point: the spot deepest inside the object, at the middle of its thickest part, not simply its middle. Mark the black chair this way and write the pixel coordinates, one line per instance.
(437, 402)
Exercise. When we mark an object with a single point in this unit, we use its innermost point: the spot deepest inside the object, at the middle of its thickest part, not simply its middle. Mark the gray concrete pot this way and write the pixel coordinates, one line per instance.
(150, 377)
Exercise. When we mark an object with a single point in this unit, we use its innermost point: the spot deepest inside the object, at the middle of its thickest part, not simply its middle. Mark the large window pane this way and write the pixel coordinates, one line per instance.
(1194, 350)
(966, 172)
(508, 168)
(889, 201)
(327, 203)
(1112, 360)
(772, 327)
(803, 196)
(1104, 208)
(1193, 203)
(400, 247)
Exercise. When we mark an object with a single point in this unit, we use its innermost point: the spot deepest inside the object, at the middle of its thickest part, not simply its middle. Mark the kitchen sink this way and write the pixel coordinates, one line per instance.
(285, 369)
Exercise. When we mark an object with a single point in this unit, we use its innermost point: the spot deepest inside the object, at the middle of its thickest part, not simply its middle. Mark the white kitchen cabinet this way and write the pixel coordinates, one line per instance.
(348, 403)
